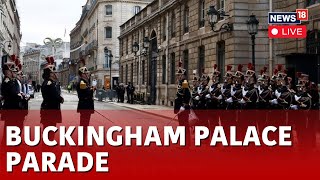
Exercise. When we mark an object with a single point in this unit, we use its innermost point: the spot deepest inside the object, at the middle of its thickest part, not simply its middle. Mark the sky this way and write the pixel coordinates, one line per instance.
(48, 18)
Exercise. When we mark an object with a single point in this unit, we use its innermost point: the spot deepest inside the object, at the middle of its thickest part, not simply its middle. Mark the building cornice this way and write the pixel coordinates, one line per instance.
(149, 17)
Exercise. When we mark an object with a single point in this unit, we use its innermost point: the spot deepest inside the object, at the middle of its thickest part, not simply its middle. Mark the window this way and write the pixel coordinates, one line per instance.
(173, 69)
(138, 73)
(143, 71)
(186, 61)
(126, 73)
(202, 13)
(201, 59)
(313, 42)
(106, 62)
(131, 73)
(164, 28)
(127, 45)
(173, 25)
(121, 75)
(108, 31)
(136, 10)
(108, 9)
(186, 19)
(221, 7)
(221, 58)
(312, 2)
(121, 47)
(164, 69)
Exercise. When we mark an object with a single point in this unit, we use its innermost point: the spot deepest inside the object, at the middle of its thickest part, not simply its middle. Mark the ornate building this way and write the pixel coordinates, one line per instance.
(300, 55)
(98, 29)
(180, 30)
(10, 34)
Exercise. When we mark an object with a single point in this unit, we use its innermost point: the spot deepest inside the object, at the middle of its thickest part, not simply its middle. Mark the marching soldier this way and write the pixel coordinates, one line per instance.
(85, 94)
(11, 97)
(195, 92)
(52, 99)
(204, 96)
(182, 101)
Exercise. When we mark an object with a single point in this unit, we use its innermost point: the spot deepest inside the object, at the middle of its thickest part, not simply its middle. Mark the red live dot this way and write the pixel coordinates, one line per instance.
(302, 14)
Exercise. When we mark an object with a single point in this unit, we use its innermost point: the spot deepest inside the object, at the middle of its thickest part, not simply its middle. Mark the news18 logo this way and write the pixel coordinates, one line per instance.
(288, 24)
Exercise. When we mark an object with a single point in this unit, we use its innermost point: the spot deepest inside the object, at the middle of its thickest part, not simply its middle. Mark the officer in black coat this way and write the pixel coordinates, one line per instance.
(182, 101)
(52, 99)
(11, 114)
(85, 94)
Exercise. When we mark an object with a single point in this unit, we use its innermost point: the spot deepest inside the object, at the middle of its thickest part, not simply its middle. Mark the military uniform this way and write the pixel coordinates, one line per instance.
(10, 94)
(52, 99)
(85, 95)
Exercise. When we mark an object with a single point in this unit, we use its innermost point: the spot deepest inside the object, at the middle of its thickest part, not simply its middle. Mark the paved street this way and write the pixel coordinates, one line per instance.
(119, 114)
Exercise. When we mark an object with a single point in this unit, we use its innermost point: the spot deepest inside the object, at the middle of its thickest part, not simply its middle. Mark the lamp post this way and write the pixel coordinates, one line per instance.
(4, 43)
(214, 15)
(252, 24)
(109, 56)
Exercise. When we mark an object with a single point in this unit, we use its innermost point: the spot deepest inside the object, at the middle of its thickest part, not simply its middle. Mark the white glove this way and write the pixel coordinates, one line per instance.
(208, 96)
(182, 108)
(294, 107)
(233, 92)
(242, 101)
(197, 98)
(229, 100)
(220, 97)
(297, 98)
(277, 94)
(274, 101)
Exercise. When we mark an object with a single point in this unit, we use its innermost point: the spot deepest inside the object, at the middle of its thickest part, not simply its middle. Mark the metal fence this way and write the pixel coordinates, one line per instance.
(107, 95)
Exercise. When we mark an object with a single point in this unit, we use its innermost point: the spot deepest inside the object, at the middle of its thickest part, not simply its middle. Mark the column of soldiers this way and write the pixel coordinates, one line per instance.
(15, 98)
(240, 95)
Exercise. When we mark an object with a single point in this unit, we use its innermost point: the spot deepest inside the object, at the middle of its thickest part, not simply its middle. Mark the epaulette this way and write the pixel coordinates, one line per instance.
(83, 85)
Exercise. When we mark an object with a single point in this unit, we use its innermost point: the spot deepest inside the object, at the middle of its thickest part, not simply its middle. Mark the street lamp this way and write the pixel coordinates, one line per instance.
(214, 15)
(135, 48)
(9, 45)
(252, 24)
(108, 54)
(146, 44)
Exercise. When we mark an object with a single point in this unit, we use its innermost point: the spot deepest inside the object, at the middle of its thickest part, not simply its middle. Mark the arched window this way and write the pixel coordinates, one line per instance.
(108, 9)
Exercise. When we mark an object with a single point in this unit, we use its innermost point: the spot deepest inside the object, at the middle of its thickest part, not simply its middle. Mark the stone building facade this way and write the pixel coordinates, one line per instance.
(300, 55)
(31, 66)
(97, 29)
(10, 32)
(179, 30)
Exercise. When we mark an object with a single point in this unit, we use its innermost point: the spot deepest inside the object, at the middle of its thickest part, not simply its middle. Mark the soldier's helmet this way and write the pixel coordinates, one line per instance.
(238, 73)
(250, 71)
(9, 64)
(303, 79)
(282, 74)
(205, 77)
(195, 77)
(18, 66)
(181, 71)
(83, 69)
(263, 77)
(50, 66)
(216, 72)
(229, 73)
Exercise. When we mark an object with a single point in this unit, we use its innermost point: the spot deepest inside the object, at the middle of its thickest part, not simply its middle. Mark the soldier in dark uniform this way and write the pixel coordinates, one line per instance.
(214, 101)
(204, 95)
(12, 97)
(52, 99)
(85, 94)
(182, 101)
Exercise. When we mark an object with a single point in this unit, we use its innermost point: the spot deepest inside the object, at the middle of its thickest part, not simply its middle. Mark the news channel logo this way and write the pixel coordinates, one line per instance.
(288, 24)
